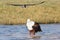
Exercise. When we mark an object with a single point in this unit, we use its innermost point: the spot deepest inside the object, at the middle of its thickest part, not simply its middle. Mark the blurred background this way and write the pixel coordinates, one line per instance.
(47, 12)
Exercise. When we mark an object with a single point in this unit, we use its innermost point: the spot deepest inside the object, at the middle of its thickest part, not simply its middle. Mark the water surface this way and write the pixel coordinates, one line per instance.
(20, 32)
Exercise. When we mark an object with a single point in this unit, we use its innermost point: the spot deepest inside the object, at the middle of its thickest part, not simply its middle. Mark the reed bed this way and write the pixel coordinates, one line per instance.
(48, 12)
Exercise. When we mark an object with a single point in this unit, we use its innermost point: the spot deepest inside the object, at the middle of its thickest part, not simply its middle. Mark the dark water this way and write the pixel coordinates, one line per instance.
(20, 32)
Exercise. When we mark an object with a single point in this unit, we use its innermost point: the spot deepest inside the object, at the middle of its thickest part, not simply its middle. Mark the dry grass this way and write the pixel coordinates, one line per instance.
(48, 12)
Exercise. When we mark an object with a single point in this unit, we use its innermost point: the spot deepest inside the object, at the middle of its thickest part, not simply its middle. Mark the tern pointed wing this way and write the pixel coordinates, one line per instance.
(26, 4)
(34, 4)
(16, 4)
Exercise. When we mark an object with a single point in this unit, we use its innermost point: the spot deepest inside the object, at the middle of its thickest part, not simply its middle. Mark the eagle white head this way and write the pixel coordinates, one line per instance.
(29, 24)
(28, 20)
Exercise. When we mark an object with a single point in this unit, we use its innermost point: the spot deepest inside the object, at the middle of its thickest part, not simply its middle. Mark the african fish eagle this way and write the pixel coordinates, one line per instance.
(33, 27)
